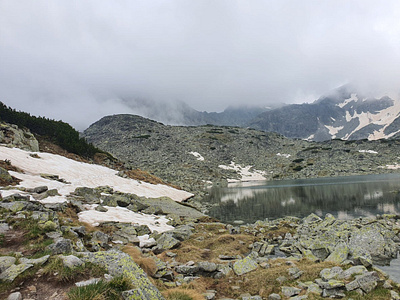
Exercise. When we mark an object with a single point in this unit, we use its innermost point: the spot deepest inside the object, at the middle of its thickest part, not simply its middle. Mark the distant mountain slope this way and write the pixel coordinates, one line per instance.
(179, 113)
(344, 114)
(191, 156)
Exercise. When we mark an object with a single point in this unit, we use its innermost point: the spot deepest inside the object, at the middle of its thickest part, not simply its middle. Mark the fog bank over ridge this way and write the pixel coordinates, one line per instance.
(76, 61)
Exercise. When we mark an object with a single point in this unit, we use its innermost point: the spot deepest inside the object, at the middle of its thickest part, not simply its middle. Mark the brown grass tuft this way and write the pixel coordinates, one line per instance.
(182, 294)
(146, 263)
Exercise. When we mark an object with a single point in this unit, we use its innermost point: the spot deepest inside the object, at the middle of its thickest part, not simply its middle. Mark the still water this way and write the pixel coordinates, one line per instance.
(344, 197)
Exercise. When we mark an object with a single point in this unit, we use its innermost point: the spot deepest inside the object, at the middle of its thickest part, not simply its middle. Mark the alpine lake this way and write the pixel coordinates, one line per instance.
(344, 197)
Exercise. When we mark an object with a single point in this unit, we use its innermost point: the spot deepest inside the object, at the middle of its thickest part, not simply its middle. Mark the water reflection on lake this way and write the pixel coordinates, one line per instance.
(344, 197)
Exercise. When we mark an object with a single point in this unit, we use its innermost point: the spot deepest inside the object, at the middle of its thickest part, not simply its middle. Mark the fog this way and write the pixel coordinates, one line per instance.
(80, 60)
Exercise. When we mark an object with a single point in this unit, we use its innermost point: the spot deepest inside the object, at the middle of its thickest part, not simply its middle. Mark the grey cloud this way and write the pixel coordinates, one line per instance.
(76, 60)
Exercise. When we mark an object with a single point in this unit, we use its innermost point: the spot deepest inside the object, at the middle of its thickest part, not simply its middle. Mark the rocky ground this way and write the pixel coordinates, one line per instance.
(57, 250)
(46, 252)
(192, 157)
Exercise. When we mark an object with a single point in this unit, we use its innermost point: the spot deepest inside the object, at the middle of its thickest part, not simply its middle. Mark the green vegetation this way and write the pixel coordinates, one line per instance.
(66, 274)
(57, 132)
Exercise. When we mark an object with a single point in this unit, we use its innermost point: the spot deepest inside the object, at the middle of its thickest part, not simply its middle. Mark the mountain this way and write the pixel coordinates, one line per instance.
(179, 113)
(343, 114)
(192, 156)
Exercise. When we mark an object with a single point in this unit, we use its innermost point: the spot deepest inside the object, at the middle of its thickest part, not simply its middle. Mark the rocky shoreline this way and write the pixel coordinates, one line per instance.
(51, 249)
(346, 252)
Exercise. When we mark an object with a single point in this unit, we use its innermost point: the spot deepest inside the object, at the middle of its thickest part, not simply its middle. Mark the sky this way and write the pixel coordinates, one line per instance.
(79, 60)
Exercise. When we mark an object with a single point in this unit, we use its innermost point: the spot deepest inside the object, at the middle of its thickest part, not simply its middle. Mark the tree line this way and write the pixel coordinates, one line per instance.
(58, 132)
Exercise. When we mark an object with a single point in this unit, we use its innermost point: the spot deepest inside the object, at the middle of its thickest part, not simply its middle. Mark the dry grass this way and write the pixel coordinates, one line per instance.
(182, 294)
(146, 263)
(213, 245)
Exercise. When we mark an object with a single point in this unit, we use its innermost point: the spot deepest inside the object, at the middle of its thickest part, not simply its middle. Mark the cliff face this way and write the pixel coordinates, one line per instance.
(191, 156)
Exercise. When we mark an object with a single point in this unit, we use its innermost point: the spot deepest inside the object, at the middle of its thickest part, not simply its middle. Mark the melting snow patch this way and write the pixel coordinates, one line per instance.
(368, 151)
(244, 172)
(288, 155)
(122, 214)
(197, 155)
(79, 174)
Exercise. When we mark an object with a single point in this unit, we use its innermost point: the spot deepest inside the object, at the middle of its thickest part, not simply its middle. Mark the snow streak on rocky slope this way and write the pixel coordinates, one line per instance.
(344, 114)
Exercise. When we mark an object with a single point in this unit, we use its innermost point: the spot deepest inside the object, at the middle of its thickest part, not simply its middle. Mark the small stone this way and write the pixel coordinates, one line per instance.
(274, 297)
(15, 296)
(101, 208)
(289, 291)
(281, 279)
(394, 295)
(71, 261)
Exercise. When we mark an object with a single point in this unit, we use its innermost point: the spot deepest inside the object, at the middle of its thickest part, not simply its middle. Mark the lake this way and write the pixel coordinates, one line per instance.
(344, 197)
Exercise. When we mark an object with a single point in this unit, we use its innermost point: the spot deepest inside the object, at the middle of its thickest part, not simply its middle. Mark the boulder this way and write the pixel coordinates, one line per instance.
(37, 261)
(245, 265)
(166, 242)
(5, 176)
(289, 291)
(61, 246)
(12, 272)
(367, 282)
(15, 296)
(71, 261)
(374, 240)
(119, 263)
(6, 262)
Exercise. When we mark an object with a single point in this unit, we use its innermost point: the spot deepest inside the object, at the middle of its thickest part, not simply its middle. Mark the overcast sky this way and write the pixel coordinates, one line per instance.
(75, 60)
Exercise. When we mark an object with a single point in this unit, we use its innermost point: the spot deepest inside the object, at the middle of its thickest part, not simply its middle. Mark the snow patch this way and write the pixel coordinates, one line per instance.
(197, 155)
(334, 130)
(353, 97)
(368, 151)
(122, 214)
(288, 155)
(244, 172)
(79, 174)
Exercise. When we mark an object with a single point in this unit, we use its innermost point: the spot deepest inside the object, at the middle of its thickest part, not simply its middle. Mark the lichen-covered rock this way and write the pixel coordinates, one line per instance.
(21, 138)
(119, 263)
(71, 261)
(330, 284)
(5, 176)
(166, 242)
(61, 246)
(355, 270)
(12, 272)
(6, 262)
(289, 291)
(245, 265)
(35, 261)
(339, 254)
(375, 240)
(331, 273)
(367, 282)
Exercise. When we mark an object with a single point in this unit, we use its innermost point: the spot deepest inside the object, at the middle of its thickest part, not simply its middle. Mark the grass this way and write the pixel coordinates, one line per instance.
(102, 290)
(182, 294)
(56, 269)
(146, 263)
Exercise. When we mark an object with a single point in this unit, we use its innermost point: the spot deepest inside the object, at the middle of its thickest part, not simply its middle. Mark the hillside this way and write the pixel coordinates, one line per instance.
(57, 132)
(191, 157)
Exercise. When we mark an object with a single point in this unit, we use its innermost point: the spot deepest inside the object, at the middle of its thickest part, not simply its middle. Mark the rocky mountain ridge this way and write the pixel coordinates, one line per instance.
(192, 157)
(344, 114)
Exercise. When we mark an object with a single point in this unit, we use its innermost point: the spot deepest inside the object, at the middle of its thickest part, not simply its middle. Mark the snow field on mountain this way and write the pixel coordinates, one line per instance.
(79, 174)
